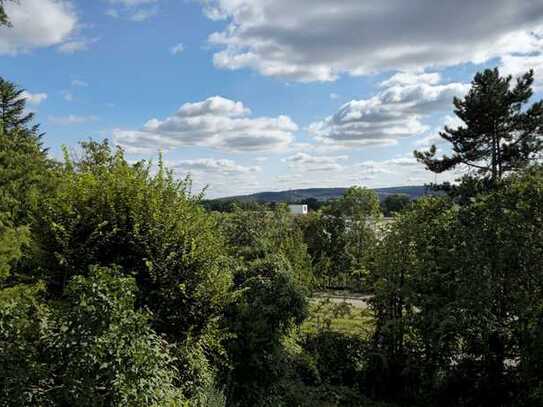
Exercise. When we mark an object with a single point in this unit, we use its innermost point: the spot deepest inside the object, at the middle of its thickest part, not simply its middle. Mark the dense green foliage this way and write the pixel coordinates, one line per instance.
(394, 203)
(340, 237)
(458, 298)
(118, 288)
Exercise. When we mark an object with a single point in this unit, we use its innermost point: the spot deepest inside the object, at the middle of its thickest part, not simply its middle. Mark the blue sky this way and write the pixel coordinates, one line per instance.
(254, 95)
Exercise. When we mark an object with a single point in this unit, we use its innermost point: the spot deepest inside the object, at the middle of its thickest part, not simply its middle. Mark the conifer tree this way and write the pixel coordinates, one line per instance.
(24, 165)
(500, 134)
(4, 19)
(12, 109)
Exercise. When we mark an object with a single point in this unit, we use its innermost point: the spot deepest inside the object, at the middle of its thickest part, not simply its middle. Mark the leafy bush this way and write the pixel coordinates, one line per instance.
(109, 212)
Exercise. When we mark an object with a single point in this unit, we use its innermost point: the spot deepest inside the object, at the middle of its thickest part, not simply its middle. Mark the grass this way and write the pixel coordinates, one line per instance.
(339, 316)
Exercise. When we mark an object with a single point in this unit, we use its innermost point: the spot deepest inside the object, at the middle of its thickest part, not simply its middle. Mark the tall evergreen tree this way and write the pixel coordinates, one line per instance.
(500, 134)
(24, 164)
(12, 109)
(4, 19)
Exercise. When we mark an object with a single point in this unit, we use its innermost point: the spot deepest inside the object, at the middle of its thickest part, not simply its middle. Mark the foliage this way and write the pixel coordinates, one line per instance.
(457, 298)
(341, 317)
(118, 288)
(501, 134)
(395, 203)
(340, 237)
(268, 305)
(25, 171)
(103, 350)
(25, 376)
(4, 19)
(11, 242)
(109, 212)
(258, 234)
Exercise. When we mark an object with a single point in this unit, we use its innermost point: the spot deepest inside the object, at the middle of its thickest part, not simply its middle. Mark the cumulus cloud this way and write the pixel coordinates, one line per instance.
(133, 10)
(143, 14)
(71, 120)
(73, 46)
(318, 40)
(216, 122)
(397, 111)
(217, 166)
(307, 162)
(132, 3)
(218, 176)
(518, 63)
(433, 137)
(36, 24)
(79, 83)
(34, 98)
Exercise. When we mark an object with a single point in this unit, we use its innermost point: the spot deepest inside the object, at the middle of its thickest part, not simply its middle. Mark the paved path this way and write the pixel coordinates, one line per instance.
(357, 301)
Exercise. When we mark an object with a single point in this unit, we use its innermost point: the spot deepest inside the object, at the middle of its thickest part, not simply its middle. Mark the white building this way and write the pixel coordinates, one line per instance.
(298, 209)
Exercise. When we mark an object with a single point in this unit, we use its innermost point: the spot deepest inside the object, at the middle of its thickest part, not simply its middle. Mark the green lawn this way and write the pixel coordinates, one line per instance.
(338, 316)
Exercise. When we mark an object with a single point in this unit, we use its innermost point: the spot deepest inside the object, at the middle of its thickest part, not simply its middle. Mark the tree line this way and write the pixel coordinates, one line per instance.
(119, 288)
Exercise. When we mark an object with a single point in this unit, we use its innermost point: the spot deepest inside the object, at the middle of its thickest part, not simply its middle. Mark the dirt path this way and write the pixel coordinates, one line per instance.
(357, 301)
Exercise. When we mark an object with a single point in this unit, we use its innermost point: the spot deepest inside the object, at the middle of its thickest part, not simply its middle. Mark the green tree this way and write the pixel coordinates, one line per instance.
(109, 212)
(256, 235)
(268, 305)
(341, 237)
(26, 173)
(12, 240)
(12, 110)
(4, 19)
(102, 351)
(500, 134)
(395, 203)
(457, 298)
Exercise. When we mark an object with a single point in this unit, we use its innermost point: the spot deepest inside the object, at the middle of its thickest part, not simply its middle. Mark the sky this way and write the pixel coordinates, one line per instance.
(264, 95)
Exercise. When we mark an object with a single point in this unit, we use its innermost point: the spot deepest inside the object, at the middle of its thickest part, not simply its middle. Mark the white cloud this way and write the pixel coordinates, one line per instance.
(334, 96)
(433, 137)
(71, 120)
(111, 12)
(218, 176)
(217, 166)
(76, 45)
(37, 24)
(177, 49)
(216, 122)
(143, 14)
(519, 63)
(318, 40)
(397, 111)
(34, 98)
(133, 10)
(132, 3)
(79, 83)
(307, 162)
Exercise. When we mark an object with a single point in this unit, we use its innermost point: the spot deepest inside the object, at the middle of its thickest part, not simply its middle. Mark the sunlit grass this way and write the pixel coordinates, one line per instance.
(338, 316)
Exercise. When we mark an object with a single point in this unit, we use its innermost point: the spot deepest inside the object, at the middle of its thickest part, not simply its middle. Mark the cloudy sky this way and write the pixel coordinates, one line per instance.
(255, 95)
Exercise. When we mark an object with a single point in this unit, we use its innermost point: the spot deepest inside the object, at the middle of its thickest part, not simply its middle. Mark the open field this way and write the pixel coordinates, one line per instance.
(342, 314)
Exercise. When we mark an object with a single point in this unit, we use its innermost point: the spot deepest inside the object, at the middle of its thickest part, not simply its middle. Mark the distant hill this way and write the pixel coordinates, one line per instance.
(323, 194)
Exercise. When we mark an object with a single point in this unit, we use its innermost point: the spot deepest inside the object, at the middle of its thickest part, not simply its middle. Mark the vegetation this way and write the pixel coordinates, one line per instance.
(394, 203)
(4, 20)
(500, 134)
(119, 288)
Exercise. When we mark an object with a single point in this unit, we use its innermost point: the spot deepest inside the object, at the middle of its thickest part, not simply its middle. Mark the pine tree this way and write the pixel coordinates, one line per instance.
(24, 164)
(500, 133)
(4, 19)
(12, 109)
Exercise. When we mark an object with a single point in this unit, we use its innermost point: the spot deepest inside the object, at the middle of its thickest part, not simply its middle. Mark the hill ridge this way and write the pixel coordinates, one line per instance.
(324, 194)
